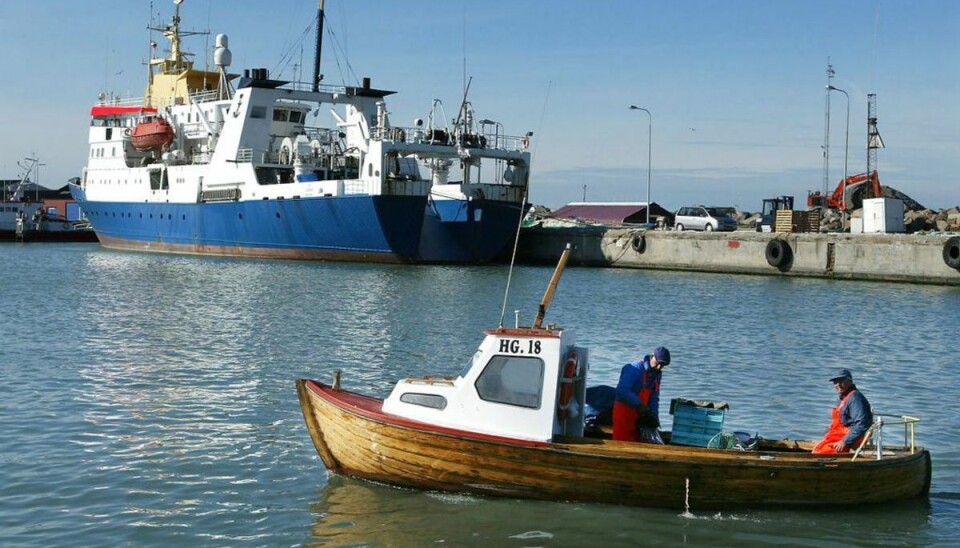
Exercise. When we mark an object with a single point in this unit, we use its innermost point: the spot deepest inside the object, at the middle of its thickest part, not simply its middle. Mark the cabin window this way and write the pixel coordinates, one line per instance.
(258, 112)
(426, 400)
(296, 117)
(279, 115)
(513, 380)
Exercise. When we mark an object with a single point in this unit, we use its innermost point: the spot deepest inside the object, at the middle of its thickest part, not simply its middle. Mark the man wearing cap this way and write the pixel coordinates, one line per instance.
(852, 417)
(637, 402)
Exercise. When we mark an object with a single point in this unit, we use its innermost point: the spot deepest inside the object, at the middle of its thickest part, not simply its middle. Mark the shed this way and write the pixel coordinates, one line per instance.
(613, 212)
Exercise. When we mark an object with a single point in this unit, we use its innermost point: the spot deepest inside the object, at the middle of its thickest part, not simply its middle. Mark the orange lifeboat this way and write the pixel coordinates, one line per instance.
(151, 133)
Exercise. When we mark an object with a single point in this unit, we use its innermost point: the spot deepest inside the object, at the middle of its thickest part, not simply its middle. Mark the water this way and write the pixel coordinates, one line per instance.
(149, 400)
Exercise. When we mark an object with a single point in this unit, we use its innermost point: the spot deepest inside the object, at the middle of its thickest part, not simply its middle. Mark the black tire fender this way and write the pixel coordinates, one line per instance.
(951, 252)
(639, 243)
(778, 253)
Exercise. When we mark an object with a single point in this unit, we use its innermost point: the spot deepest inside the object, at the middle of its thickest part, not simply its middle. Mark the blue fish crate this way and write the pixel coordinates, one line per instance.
(696, 423)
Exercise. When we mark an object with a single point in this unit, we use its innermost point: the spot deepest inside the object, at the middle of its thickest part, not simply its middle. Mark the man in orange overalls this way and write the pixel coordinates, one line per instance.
(852, 417)
(637, 402)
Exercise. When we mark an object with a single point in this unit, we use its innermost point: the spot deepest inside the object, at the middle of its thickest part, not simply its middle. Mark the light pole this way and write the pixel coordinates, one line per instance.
(846, 153)
(649, 150)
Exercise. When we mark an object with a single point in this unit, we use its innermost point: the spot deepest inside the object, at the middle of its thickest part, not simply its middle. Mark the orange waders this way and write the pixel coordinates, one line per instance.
(625, 417)
(835, 433)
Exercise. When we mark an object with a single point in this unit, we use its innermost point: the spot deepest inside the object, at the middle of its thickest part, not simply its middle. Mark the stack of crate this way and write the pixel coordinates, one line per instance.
(788, 220)
(695, 423)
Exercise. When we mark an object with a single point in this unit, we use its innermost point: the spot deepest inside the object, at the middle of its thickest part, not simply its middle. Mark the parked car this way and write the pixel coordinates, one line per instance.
(704, 218)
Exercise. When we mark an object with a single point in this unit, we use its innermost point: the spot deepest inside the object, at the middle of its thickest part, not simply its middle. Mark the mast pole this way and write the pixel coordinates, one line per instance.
(316, 57)
(551, 288)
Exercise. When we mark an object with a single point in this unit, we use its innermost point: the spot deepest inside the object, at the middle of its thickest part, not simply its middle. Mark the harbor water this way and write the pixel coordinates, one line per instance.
(150, 400)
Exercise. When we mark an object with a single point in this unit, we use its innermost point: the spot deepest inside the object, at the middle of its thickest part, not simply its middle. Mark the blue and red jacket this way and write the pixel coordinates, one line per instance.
(635, 377)
(639, 386)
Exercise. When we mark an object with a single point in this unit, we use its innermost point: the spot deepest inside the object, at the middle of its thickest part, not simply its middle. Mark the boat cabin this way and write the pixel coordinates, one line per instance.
(523, 383)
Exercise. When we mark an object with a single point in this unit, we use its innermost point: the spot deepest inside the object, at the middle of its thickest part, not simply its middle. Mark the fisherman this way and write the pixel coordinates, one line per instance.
(637, 403)
(852, 417)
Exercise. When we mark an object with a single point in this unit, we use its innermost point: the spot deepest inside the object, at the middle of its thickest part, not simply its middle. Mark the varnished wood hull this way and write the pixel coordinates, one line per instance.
(355, 438)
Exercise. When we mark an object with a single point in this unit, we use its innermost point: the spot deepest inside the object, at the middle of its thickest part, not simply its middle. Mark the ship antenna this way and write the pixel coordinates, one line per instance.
(513, 258)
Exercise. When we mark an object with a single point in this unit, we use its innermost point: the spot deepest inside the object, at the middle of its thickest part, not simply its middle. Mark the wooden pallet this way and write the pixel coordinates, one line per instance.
(788, 220)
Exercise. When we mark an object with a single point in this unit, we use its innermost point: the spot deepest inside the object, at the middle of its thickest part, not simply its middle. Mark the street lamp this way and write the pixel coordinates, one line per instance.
(846, 152)
(649, 149)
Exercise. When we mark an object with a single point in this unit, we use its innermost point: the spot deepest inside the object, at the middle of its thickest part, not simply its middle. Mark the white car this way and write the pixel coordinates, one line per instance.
(703, 218)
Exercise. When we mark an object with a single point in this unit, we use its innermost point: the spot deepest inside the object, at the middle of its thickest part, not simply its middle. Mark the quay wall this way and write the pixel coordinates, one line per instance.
(882, 257)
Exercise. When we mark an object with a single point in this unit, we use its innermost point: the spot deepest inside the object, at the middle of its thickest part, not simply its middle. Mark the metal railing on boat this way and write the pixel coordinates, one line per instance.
(875, 433)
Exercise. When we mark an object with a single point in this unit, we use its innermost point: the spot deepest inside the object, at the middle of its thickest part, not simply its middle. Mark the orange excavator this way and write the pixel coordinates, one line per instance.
(837, 200)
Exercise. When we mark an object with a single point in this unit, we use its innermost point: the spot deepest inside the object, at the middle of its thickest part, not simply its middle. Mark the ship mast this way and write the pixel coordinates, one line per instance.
(316, 58)
(173, 79)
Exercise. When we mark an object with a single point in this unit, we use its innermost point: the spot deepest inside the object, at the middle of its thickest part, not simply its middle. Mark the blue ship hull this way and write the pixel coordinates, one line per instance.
(386, 229)
(462, 231)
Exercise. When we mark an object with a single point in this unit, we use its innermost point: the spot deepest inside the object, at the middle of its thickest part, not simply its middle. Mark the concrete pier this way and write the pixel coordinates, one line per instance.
(881, 257)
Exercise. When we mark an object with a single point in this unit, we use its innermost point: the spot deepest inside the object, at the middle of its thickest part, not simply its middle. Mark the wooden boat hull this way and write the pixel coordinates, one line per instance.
(355, 438)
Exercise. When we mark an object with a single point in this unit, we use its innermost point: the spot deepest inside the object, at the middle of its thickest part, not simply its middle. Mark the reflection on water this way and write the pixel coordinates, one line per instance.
(355, 512)
(149, 399)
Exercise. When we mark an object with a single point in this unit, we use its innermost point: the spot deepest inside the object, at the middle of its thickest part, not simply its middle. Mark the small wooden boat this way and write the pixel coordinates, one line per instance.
(511, 425)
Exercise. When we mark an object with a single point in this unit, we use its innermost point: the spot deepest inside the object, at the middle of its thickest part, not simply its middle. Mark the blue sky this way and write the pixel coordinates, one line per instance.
(735, 87)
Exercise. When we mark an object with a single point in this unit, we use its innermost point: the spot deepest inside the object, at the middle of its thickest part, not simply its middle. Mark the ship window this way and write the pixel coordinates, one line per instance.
(426, 400)
(279, 115)
(296, 117)
(258, 112)
(513, 380)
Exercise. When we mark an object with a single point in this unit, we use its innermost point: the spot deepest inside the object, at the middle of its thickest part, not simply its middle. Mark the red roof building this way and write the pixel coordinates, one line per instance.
(613, 212)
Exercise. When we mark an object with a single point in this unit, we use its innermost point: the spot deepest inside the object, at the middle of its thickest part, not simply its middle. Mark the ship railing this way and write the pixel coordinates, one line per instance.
(258, 156)
(125, 102)
(491, 140)
(200, 158)
(205, 96)
(324, 88)
(874, 435)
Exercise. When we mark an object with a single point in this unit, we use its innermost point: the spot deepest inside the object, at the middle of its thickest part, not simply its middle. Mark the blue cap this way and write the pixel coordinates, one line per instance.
(662, 355)
(841, 374)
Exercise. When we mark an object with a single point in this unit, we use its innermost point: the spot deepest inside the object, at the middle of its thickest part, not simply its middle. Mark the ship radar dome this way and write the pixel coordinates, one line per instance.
(222, 56)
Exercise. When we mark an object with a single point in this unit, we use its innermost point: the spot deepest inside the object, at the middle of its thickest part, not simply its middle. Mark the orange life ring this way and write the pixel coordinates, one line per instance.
(566, 385)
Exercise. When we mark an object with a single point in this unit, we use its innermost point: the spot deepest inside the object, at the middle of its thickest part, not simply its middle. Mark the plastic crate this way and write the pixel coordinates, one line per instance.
(695, 425)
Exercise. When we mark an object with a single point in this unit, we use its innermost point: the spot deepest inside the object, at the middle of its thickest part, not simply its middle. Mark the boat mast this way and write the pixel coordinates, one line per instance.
(551, 288)
(316, 57)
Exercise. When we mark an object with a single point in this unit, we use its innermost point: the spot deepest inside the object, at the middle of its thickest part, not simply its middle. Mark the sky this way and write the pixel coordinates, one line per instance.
(736, 88)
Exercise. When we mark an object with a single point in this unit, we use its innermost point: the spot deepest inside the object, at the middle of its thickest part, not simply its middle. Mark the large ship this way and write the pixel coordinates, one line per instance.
(215, 164)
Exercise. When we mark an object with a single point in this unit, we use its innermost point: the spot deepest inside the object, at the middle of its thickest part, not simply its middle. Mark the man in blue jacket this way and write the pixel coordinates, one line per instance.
(851, 418)
(637, 402)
